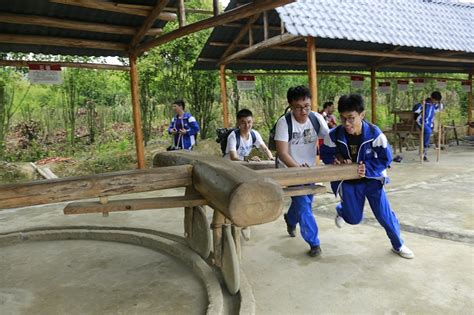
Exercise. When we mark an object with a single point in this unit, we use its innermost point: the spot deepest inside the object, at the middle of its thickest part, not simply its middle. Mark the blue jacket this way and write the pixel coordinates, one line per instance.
(430, 110)
(374, 151)
(189, 123)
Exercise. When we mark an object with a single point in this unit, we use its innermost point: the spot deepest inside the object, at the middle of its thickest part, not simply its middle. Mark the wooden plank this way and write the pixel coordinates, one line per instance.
(276, 40)
(149, 21)
(304, 190)
(137, 122)
(373, 95)
(238, 13)
(307, 175)
(25, 63)
(135, 204)
(82, 187)
(60, 41)
(114, 7)
(72, 24)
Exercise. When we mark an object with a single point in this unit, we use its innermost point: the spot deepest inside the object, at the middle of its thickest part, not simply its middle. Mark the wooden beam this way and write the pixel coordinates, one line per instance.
(71, 24)
(294, 176)
(238, 13)
(304, 190)
(167, 9)
(265, 25)
(240, 35)
(373, 95)
(276, 40)
(255, 27)
(149, 21)
(93, 186)
(58, 41)
(225, 110)
(181, 13)
(312, 74)
(23, 63)
(215, 7)
(137, 121)
(114, 7)
(135, 204)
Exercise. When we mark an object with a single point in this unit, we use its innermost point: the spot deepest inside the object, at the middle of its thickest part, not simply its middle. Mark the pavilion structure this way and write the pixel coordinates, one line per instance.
(104, 28)
(415, 36)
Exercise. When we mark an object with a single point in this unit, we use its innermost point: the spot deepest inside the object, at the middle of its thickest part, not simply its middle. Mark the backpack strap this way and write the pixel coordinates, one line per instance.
(290, 125)
(254, 137)
(314, 122)
(237, 138)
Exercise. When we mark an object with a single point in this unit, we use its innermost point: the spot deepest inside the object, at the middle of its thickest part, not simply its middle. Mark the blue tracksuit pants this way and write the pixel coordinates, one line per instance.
(352, 206)
(301, 211)
(426, 135)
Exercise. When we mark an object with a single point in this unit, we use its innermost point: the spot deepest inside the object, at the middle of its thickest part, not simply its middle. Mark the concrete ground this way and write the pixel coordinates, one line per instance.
(357, 273)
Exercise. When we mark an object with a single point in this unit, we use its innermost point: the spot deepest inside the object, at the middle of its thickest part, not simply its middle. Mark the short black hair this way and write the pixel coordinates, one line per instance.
(436, 95)
(180, 103)
(349, 103)
(297, 93)
(327, 104)
(244, 113)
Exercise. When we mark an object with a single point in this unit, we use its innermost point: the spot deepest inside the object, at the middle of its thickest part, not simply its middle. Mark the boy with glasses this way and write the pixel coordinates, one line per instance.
(357, 141)
(296, 136)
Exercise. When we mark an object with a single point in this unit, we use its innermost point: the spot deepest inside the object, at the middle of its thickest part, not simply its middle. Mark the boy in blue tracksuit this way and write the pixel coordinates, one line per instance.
(183, 127)
(432, 105)
(356, 141)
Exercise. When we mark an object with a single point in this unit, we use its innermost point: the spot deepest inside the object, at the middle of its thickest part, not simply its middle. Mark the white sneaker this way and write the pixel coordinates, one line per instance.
(404, 252)
(339, 221)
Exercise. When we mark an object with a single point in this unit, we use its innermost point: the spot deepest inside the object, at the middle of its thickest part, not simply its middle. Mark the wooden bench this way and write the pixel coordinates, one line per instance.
(404, 129)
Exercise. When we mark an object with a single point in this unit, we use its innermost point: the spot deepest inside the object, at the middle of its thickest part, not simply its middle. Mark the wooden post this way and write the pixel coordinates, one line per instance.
(215, 7)
(312, 75)
(440, 134)
(373, 94)
(137, 121)
(181, 13)
(265, 25)
(422, 148)
(469, 107)
(225, 111)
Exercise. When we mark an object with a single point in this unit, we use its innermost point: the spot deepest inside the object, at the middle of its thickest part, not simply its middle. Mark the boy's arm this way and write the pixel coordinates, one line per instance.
(171, 126)
(382, 158)
(267, 151)
(328, 150)
(193, 126)
(232, 147)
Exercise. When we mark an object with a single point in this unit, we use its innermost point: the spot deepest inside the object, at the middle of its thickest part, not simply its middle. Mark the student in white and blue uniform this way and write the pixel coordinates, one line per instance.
(183, 127)
(432, 105)
(357, 141)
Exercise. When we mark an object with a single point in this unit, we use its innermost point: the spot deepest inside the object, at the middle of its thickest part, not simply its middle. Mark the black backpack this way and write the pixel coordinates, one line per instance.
(271, 138)
(223, 135)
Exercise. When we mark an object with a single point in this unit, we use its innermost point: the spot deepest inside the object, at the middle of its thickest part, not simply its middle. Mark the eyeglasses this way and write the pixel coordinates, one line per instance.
(300, 109)
(350, 120)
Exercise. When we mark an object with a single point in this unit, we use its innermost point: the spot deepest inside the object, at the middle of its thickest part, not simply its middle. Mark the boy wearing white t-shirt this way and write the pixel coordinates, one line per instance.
(241, 141)
(296, 138)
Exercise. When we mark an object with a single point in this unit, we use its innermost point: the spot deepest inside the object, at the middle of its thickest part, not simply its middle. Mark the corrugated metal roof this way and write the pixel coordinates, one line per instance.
(365, 25)
(445, 25)
(44, 8)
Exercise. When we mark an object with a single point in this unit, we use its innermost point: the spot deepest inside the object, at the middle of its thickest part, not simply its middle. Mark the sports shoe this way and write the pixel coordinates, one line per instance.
(315, 251)
(425, 159)
(339, 221)
(290, 229)
(404, 252)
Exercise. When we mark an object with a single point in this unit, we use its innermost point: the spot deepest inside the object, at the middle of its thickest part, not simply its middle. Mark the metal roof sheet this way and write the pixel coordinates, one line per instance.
(443, 27)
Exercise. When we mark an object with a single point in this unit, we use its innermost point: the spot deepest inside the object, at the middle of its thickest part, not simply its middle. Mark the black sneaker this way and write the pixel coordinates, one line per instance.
(425, 159)
(315, 251)
(290, 229)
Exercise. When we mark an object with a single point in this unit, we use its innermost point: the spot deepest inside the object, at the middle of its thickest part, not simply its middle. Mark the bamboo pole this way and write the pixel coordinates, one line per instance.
(440, 130)
(225, 111)
(422, 148)
(312, 74)
(181, 13)
(373, 99)
(469, 107)
(137, 123)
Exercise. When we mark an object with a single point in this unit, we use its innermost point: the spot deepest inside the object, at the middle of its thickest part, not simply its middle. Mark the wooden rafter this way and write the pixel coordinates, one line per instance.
(255, 26)
(70, 24)
(181, 13)
(238, 13)
(114, 7)
(23, 63)
(273, 41)
(57, 41)
(239, 36)
(167, 9)
(404, 61)
(150, 19)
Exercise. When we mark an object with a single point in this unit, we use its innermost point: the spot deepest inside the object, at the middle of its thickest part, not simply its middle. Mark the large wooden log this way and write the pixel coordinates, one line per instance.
(239, 193)
(108, 184)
